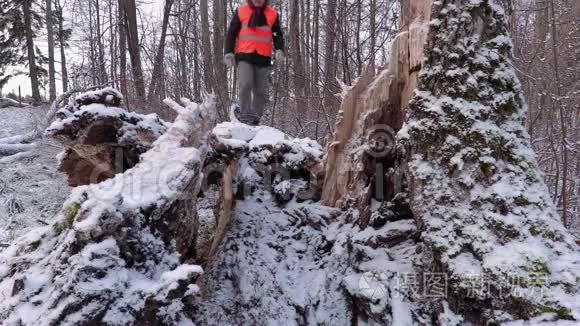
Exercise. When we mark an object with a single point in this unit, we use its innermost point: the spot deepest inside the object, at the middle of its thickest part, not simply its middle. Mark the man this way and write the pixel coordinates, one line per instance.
(253, 35)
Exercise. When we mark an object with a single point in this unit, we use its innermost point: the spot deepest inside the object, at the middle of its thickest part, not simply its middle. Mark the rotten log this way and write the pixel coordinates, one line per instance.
(101, 138)
(116, 250)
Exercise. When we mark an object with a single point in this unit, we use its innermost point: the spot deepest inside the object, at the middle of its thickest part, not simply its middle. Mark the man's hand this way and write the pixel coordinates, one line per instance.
(229, 60)
(280, 56)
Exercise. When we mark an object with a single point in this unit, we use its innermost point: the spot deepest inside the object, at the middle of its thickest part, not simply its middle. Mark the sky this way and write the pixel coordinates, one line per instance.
(24, 82)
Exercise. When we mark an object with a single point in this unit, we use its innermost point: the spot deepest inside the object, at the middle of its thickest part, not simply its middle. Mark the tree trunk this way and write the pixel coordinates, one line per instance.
(113, 45)
(476, 189)
(156, 77)
(197, 62)
(330, 32)
(26, 8)
(370, 115)
(206, 46)
(50, 40)
(220, 72)
(123, 52)
(61, 40)
(102, 69)
(130, 21)
(561, 111)
(92, 48)
(297, 64)
(373, 31)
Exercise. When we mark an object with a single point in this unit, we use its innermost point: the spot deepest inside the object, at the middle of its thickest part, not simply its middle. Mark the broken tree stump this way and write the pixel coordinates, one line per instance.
(101, 138)
(115, 253)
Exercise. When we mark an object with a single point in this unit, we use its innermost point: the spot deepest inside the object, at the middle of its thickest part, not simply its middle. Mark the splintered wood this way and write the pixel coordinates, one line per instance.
(376, 101)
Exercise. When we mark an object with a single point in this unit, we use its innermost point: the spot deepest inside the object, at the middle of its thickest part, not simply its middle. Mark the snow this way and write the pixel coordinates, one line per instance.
(290, 265)
(278, 263)
(402, 313)
(263, 142)
(183, 272)
(26, 176)
(485, 207)
(89, 263)
(448, 317)
(97, 110)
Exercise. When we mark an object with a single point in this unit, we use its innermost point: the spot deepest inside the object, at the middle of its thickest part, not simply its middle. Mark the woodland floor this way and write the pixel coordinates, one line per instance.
(31, 190)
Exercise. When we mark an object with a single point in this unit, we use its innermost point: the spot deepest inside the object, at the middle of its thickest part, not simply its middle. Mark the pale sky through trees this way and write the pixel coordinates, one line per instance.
(149, 7)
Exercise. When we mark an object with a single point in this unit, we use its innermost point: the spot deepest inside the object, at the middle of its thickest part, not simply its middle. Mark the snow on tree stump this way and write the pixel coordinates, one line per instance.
(268, 155)
(242, 159)
(115, 254)
(100, 137)
(490, 230)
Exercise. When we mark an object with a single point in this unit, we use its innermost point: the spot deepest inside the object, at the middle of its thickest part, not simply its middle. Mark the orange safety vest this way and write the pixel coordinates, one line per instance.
(256, 39)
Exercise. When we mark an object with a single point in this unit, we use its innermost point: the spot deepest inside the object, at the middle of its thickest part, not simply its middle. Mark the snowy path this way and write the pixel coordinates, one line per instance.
(31, 189)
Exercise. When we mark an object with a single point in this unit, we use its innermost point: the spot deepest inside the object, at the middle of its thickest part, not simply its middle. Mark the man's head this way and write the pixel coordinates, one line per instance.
(258, 3)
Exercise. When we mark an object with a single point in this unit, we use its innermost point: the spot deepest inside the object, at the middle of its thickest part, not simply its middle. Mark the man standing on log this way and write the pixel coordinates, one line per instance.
(253, 35)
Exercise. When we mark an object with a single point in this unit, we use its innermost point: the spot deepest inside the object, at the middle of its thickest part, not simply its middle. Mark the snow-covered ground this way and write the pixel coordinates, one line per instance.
(31, 190)
(295, 265)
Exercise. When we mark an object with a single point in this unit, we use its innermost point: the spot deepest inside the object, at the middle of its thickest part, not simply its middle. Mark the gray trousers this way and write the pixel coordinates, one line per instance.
(254, 82)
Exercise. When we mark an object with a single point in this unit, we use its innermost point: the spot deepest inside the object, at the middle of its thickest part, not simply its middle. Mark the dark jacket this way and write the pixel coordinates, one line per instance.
(253, 58)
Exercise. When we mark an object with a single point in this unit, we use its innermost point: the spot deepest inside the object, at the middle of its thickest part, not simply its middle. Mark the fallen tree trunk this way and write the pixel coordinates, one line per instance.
(38, 131)
(11, 149)
(114, 255)
(100, 137)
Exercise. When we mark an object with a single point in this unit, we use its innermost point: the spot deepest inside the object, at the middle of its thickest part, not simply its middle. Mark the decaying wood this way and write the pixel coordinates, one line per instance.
(225, 207)
(372, 112)
(100, 145)
(136, 227)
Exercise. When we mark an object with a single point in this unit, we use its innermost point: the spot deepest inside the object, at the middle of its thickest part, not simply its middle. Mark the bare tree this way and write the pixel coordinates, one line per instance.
(32, 68)
(130, 17)
(62, 42)
(50, 40)
(156, 78)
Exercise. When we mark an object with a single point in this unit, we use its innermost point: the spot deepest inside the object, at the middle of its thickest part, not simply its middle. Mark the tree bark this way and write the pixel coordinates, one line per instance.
(102, 69)
(32, 68)
(50, 41)
(113, 44)
(561, 111)
(373, 31)
(130, 18)
(297, 64)
(206, 46)
(156, 77)
(122, 31)
(477, 192)
(62, 41)
(330, 32)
